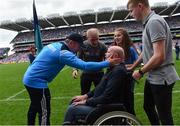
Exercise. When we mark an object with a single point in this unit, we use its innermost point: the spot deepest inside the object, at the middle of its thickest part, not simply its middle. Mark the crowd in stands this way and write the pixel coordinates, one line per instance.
(54, 34)
(1, 51)
(21, 49)
(4, 52)
(173, 22)
(63, 32)
(51, 34)
(15, 58)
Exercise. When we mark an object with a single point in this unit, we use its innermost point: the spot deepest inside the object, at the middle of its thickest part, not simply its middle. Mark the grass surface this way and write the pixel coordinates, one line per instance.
(14, 100)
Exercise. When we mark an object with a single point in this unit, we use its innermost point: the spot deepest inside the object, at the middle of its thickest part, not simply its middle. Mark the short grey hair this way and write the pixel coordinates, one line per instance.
(92, 31)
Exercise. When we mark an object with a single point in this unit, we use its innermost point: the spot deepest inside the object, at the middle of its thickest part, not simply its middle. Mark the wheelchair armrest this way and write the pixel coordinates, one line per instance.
(130, 72)
(118, 106)
(129, 75)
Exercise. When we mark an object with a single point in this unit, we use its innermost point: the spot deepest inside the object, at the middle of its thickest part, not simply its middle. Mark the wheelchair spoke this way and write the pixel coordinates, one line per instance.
(117, 118)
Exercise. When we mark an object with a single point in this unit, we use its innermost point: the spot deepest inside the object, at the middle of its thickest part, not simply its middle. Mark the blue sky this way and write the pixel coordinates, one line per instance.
(17, 9)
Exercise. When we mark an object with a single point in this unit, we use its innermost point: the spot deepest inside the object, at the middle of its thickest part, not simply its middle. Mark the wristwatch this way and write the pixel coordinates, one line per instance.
(140, 72)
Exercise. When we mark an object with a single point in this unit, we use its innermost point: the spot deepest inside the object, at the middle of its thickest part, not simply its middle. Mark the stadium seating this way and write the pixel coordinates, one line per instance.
(119, 19)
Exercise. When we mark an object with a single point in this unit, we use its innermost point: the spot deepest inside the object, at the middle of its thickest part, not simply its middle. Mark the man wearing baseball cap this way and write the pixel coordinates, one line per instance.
(76, 37)
(48, 63)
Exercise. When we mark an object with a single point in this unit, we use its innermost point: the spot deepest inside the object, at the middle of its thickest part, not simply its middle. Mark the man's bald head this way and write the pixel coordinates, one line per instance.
(115, 52)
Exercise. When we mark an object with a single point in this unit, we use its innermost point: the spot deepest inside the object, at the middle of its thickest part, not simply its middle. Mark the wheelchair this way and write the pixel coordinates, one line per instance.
(111, 114)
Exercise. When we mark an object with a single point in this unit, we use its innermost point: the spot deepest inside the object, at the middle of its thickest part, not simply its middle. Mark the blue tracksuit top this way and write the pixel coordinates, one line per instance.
(51, 60)
(133, 56)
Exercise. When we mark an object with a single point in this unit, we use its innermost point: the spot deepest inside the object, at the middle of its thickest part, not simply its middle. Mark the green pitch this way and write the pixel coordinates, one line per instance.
(14, 100)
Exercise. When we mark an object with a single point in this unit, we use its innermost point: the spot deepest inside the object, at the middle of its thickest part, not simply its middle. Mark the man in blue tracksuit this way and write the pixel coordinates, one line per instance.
(49, 62)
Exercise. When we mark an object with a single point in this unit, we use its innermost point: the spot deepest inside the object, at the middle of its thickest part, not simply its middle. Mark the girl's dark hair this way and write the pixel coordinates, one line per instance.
(126, 42)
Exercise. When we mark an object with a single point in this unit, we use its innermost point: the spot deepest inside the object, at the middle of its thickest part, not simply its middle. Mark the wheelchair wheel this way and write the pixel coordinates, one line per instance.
(117, 118)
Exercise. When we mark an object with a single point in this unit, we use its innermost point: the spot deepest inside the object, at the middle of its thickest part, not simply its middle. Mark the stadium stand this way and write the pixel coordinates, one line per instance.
(4, 52)
(55, 27)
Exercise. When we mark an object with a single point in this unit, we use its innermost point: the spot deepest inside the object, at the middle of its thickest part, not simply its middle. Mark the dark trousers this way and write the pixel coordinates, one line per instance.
(130, 103)
(158, 103)
(40, 103)
(76, 112)
(129, 94)
(87, 79)
(177, 55)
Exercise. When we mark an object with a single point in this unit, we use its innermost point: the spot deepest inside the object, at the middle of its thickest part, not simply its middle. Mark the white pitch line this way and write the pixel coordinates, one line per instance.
(139, 94)
(66, 97)
(176, 91)
(7, 99)
(27, 99)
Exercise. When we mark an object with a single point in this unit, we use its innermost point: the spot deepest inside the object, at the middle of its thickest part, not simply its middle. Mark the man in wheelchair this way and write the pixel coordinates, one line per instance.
(110, 90)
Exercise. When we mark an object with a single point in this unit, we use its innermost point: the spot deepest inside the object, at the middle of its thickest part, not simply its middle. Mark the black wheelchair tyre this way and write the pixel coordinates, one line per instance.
(117, 118)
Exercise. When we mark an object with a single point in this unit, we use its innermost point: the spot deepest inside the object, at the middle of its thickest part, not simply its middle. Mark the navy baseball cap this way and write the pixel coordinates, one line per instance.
(76, 37)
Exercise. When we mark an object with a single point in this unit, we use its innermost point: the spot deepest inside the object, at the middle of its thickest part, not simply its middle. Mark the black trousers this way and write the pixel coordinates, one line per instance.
(87, 79)
(129, 94)
(158, 103)
(40, 103)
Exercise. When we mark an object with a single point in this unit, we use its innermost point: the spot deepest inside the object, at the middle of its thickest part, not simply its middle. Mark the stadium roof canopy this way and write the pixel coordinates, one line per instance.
(86, 17)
